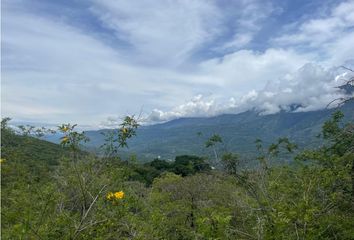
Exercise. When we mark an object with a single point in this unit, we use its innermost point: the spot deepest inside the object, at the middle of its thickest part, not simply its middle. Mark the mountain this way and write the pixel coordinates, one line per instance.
(238, 131)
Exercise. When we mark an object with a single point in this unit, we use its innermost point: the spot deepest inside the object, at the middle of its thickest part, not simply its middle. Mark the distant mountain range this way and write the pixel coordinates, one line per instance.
(238, 131)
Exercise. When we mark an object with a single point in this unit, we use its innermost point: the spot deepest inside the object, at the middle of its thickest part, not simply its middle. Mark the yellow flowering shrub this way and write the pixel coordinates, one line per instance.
(64, 140)
(115, 195)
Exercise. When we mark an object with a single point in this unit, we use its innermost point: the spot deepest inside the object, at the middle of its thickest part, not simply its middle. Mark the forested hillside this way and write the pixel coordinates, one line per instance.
(238, 131)
(54, 191)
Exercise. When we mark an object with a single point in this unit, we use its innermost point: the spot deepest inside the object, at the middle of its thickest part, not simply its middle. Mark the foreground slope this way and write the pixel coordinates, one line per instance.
(88, 197)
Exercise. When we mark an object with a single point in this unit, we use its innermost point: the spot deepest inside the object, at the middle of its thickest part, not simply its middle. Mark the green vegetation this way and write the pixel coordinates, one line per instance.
(238, 131)
(54, 191)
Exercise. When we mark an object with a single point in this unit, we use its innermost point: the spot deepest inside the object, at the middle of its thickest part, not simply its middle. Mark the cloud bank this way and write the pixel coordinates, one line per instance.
(310, 88)
(83, 61)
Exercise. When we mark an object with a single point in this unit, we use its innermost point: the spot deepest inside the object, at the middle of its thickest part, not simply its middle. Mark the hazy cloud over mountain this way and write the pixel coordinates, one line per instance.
(83, 61)
(310, 88)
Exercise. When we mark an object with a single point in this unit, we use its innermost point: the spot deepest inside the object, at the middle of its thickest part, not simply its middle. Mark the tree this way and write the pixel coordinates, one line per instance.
(338, 154)
(213, 142)
(118, 138)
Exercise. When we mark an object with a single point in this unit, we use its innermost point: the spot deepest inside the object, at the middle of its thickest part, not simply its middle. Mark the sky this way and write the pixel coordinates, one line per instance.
(93, 61)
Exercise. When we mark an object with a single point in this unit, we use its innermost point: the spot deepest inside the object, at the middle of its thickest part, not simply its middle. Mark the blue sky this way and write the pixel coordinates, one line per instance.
(86, 61)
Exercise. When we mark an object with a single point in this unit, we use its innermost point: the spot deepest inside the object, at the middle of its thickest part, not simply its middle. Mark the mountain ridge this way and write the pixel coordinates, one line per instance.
(239, 131)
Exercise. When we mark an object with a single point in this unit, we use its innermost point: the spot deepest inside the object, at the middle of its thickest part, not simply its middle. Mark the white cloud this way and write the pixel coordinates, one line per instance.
(239, 40)
(197, 106)
(169, 32)
(161, 31)
(241, 71)
(309, 88)
(247, 17)
(319, 32)
(50, 65)
(57, 72)
(239, 75)
(341, 50)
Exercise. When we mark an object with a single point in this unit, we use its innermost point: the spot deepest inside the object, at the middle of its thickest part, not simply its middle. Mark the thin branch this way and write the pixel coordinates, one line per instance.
(347, 68)
(91, 224)
(87, 212)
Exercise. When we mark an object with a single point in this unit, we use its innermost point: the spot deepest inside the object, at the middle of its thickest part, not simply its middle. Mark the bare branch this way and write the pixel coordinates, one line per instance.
(87, 212)
(347, 68)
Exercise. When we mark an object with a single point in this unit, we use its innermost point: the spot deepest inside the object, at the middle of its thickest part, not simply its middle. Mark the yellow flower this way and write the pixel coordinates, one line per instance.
(64, 139)
(119, 195)
(65, 129)
(124, 130)
(115, 196)
(110, 196)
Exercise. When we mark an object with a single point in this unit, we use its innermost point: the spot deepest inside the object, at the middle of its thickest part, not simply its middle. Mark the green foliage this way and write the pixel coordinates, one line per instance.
(213, 140)
(230, 163)
(71, 139)
(60, 192)
(28, 130)
(160, 165)
(188, 165)
(184, 165)
(127, 130)
(4, 124)
(29, 150)
(114, 140)
(191, 207)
